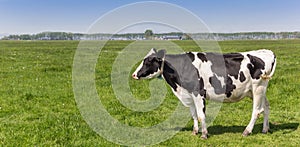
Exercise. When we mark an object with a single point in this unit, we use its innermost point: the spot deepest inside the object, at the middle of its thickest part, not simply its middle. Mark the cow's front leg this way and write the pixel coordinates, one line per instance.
(200, 110)
(195, 118)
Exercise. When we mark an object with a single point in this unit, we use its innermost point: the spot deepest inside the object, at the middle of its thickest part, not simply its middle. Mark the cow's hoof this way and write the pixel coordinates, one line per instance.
(264, 131)
(194, 132)
(204, 136)
(246, 133)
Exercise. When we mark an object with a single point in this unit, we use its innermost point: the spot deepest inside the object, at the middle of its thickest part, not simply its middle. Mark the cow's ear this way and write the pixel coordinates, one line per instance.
(154, 50)
(161, 54)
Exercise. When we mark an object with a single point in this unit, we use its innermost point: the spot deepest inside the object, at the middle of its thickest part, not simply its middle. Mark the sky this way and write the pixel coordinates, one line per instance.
(225, 16)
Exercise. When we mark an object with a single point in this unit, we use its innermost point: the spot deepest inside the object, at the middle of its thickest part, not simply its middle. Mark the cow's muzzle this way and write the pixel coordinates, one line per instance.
(134, 76)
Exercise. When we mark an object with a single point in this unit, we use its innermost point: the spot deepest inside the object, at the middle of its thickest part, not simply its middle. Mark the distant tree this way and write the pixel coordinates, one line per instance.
(148, 34)
(187, 37)
(25, 37)
(14, 37)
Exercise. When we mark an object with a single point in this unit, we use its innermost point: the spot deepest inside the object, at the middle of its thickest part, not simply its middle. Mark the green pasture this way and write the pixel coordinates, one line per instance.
(37, 105)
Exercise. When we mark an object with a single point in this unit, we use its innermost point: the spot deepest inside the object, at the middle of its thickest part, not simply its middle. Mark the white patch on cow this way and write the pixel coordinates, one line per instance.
(184, 96)
(205, 69)
(134, 75)
(154, 75)
(222, 80)
(197, 62)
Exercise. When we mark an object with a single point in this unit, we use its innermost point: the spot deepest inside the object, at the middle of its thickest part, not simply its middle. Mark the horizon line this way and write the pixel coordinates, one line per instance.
(6, 34)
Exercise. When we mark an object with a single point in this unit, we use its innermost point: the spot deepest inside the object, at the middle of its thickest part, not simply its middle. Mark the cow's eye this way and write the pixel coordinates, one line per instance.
(149, 59)
(147, 63)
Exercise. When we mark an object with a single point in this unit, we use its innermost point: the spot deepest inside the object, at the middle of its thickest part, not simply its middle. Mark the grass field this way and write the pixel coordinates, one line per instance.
(37, 105)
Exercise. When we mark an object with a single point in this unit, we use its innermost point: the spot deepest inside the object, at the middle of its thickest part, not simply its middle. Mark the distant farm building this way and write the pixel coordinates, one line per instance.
(172, 37)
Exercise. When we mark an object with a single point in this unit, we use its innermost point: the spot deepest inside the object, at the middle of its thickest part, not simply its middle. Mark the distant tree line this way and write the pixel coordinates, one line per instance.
(42, 36)
(99, 36)
(148, 34)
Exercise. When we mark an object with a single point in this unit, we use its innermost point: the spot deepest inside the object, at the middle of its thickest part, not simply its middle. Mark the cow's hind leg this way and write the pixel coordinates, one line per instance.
(200, 109)
(266, 116)
(259, 98)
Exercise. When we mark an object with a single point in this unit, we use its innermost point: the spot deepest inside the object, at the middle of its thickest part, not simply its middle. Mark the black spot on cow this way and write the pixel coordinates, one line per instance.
(202, 90)
(202, 57)
(255, 66)
(226, 64)
(242, 76)
(216, 83)
(171, 76)
(233, 63)
(229, 86)
(204, 108)
(191, 56)
(219, 89)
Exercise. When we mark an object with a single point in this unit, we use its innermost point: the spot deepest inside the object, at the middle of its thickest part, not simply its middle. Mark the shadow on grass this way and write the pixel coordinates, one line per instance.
(274, 127)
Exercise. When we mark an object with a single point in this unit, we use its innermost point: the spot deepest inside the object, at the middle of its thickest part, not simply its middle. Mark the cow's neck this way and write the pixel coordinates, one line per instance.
(170, 74)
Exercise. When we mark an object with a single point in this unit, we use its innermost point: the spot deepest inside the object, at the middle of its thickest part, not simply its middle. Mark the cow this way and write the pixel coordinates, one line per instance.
(195, 77)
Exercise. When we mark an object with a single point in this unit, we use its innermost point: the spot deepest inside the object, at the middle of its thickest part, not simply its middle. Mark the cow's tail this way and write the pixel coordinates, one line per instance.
(273, 67)
(269, 73)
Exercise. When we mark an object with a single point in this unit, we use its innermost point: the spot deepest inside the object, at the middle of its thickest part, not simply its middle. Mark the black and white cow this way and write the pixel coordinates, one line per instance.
(195, 77)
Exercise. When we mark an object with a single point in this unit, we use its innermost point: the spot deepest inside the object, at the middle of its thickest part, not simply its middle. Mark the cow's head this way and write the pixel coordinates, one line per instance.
(151, 66)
